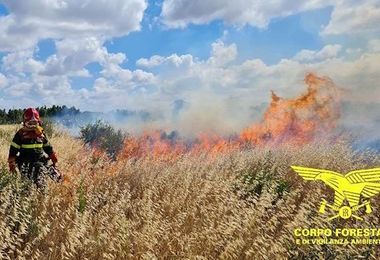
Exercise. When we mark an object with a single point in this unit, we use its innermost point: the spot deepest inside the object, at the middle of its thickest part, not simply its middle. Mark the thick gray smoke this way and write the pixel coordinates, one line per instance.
(360, 120)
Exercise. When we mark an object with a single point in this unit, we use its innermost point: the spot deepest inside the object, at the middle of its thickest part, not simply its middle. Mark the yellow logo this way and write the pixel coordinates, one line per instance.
(349, 187)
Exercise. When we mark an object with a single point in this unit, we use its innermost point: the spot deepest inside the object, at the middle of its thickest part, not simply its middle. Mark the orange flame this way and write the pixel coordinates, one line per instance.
(296, 121)
(154, 144)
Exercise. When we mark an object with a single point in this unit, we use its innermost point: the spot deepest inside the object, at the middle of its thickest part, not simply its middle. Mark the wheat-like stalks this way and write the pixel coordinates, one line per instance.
(238, 205)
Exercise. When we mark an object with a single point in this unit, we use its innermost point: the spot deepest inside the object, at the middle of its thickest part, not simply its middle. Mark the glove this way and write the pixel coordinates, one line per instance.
(12, 164)
(53, 158)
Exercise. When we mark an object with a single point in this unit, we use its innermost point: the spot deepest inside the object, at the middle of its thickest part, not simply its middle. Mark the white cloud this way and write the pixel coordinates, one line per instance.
(172, 60)
(70, 60)
(38, 87)
(125, 78)
(348, 16)
(352, 51)
(327, 52)
(354, 17)
(21, 62)
(3, 81)
(48, 82)
(152, 62)
(357, 75)
(79, 30)
(32, 20)
(73, 54)
(221, 54)
(239, 12)
(374, 45)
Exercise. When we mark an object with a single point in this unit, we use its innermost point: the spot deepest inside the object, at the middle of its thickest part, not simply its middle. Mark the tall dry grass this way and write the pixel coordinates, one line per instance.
(243, 205)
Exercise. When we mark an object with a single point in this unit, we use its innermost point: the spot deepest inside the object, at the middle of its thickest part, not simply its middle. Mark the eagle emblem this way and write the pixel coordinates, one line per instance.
(365, 183)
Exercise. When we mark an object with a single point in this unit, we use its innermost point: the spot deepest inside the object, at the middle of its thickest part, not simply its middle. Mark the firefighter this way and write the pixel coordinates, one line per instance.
(28, 147)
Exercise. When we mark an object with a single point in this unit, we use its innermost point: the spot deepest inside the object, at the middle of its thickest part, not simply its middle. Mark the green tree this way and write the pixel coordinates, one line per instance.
(103, 136)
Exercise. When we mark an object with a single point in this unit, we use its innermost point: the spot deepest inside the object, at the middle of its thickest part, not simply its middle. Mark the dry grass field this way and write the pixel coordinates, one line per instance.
(237, 205)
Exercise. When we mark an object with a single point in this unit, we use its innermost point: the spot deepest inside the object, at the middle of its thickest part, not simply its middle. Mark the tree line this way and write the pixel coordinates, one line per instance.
(15, 116)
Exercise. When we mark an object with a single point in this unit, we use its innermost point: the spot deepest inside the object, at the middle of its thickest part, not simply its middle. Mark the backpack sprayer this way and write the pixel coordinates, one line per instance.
(55, 173)
(52, 171)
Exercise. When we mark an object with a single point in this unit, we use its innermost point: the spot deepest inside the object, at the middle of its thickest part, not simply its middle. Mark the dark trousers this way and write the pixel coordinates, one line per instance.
(36, 172)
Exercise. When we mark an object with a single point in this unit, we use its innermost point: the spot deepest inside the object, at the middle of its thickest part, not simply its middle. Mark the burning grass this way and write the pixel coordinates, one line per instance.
(295, 121)
(241, 204)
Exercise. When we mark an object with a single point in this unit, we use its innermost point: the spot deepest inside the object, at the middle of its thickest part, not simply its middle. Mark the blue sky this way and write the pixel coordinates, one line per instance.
(217, 55)
(294, 33)
(3, 10)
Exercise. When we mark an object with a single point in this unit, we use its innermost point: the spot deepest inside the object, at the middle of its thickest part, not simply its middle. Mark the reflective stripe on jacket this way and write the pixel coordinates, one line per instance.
(30, 145)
